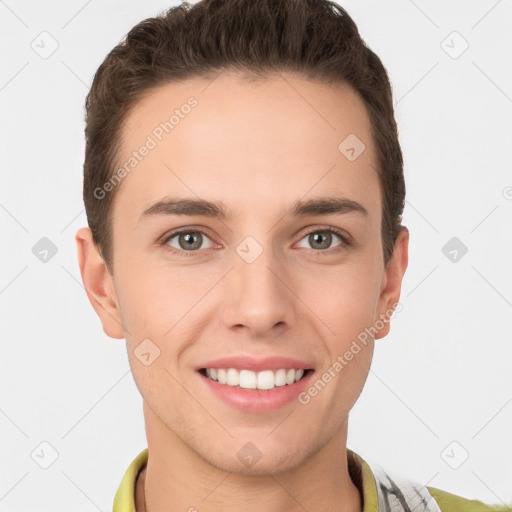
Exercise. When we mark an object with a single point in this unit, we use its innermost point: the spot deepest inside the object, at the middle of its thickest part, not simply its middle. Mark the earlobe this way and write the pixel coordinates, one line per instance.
(392, 281)
(98, 284)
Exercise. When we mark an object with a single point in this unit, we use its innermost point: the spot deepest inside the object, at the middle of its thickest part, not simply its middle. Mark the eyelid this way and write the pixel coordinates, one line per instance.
(337, 231)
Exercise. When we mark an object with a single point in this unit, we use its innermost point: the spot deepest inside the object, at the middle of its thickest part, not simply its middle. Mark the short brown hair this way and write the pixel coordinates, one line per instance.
(315, 39)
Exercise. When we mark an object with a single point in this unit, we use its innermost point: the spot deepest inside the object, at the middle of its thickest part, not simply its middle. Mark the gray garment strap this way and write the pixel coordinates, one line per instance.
(396, 494)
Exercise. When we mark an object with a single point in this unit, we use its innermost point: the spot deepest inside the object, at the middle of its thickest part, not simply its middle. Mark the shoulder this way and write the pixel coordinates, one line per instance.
(382, 490)
(449, 502)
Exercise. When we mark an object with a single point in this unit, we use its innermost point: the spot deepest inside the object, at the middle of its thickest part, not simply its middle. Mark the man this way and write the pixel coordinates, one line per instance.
(243, 182)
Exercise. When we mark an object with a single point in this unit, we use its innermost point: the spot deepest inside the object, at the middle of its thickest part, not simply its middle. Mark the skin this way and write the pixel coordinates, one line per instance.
(257, 147)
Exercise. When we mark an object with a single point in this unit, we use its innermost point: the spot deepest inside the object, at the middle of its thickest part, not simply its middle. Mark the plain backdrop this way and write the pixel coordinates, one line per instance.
(437, 406)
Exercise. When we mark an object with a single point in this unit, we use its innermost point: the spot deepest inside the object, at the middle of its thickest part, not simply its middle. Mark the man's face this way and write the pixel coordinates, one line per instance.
(262, 282)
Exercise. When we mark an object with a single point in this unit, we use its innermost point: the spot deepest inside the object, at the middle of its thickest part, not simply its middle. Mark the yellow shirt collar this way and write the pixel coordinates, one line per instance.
(360, 472)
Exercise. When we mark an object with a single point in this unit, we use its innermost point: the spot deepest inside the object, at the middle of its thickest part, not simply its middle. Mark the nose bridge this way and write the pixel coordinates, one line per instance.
(257, 297)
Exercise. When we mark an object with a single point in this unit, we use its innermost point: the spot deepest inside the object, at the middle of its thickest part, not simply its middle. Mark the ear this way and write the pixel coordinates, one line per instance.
(99, 284)
(392, 281)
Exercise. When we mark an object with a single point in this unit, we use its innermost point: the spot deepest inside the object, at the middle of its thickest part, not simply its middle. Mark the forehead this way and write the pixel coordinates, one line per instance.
(249, 142)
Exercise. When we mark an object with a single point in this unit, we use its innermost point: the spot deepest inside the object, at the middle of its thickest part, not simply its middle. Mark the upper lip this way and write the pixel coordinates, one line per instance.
(250, 363)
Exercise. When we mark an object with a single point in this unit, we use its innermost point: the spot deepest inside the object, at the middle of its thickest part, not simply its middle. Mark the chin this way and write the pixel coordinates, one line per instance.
(251, 461)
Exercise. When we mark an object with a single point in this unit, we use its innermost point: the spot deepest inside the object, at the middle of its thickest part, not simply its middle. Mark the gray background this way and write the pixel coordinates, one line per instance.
(440, 387)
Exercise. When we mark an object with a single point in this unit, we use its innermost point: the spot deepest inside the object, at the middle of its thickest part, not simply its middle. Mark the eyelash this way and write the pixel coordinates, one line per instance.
(345, 241)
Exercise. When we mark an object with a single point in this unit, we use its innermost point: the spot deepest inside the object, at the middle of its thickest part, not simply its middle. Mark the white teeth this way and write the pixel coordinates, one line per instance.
(266, 379)
(233, 377)
(280, 378)
(222, 376)
(247, 379)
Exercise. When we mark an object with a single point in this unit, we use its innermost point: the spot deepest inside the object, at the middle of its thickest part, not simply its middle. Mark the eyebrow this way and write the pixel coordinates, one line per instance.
(214, 209)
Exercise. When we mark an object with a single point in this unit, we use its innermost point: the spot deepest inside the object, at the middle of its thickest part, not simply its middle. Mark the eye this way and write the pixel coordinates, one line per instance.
(187, 241)
(322, 239)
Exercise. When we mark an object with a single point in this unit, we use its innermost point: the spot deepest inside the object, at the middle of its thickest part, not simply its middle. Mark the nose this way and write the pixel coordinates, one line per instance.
(258, 297)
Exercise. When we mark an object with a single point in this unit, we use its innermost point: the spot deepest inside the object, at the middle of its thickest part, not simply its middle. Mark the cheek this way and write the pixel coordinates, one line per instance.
(154, 308)
(348, 311)
(152, 300)
(346, 307)
(170, 307)
(344, 299)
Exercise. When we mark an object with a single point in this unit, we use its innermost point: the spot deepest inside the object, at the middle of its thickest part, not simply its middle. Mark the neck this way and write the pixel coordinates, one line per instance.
(176, 475)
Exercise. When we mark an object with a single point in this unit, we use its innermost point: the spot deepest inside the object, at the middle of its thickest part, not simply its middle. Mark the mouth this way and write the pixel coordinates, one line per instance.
(256, 385)
(264, 380)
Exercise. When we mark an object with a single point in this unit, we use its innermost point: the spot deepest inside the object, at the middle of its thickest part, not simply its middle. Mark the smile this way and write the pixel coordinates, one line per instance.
(248, 379)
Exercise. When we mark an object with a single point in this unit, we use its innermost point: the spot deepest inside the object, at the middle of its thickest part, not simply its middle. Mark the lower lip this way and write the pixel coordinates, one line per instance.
(256, 400)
